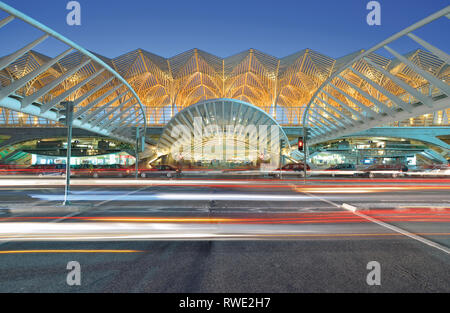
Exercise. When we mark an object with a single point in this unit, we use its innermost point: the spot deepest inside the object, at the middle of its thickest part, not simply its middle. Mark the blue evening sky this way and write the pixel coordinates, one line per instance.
(277, 27)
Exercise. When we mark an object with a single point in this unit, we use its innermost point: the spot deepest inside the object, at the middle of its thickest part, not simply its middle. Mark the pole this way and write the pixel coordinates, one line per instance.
(357, 156)
(305, 150)
(137, 153)
(281, 157)
(68, 122)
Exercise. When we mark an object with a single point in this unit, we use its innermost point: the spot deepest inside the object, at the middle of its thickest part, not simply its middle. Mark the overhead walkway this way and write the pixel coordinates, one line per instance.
(104, 102)
(350, 101)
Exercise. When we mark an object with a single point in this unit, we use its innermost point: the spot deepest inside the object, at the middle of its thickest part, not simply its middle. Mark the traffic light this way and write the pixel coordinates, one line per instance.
(67, 112)
(283, 144)
(301, 144)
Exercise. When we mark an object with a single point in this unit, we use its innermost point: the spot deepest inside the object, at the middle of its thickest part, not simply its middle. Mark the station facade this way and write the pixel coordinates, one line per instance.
(250, 88)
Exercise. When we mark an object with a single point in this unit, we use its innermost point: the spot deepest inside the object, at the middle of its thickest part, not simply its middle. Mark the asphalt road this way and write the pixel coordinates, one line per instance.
(225, 236)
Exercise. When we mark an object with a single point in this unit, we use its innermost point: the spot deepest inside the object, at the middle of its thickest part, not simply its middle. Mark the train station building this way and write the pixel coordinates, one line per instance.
(362, 108)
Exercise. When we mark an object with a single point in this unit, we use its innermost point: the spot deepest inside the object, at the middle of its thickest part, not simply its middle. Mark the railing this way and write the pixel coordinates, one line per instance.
(17, 119)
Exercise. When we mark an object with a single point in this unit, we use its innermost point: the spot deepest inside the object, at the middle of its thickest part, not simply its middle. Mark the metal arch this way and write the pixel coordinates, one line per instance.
(401, 107)
(221, 118)
(98, 86)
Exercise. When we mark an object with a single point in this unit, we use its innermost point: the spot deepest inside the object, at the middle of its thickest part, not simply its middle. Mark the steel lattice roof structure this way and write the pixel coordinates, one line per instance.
(251, 76)
(282, 87)
(367, 92)
(170, 85)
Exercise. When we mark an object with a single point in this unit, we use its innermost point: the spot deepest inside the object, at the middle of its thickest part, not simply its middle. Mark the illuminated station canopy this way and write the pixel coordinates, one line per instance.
(280, 87)
(223, 130)
(330, 97)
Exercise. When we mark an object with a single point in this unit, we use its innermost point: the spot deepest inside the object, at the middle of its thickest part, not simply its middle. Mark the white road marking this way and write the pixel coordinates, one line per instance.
(121, 196)
(406, 233)
(349, 207)
(397, 229)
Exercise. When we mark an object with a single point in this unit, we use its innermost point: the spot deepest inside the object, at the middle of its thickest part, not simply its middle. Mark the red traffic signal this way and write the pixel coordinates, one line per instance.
(301, 144)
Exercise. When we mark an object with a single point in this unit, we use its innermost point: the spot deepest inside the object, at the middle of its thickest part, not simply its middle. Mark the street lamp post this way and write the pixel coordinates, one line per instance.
(67, 120)
(282, 146)
(137, 153)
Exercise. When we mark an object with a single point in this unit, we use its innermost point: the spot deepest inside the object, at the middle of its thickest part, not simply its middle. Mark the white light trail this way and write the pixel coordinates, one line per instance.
(171, 196)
